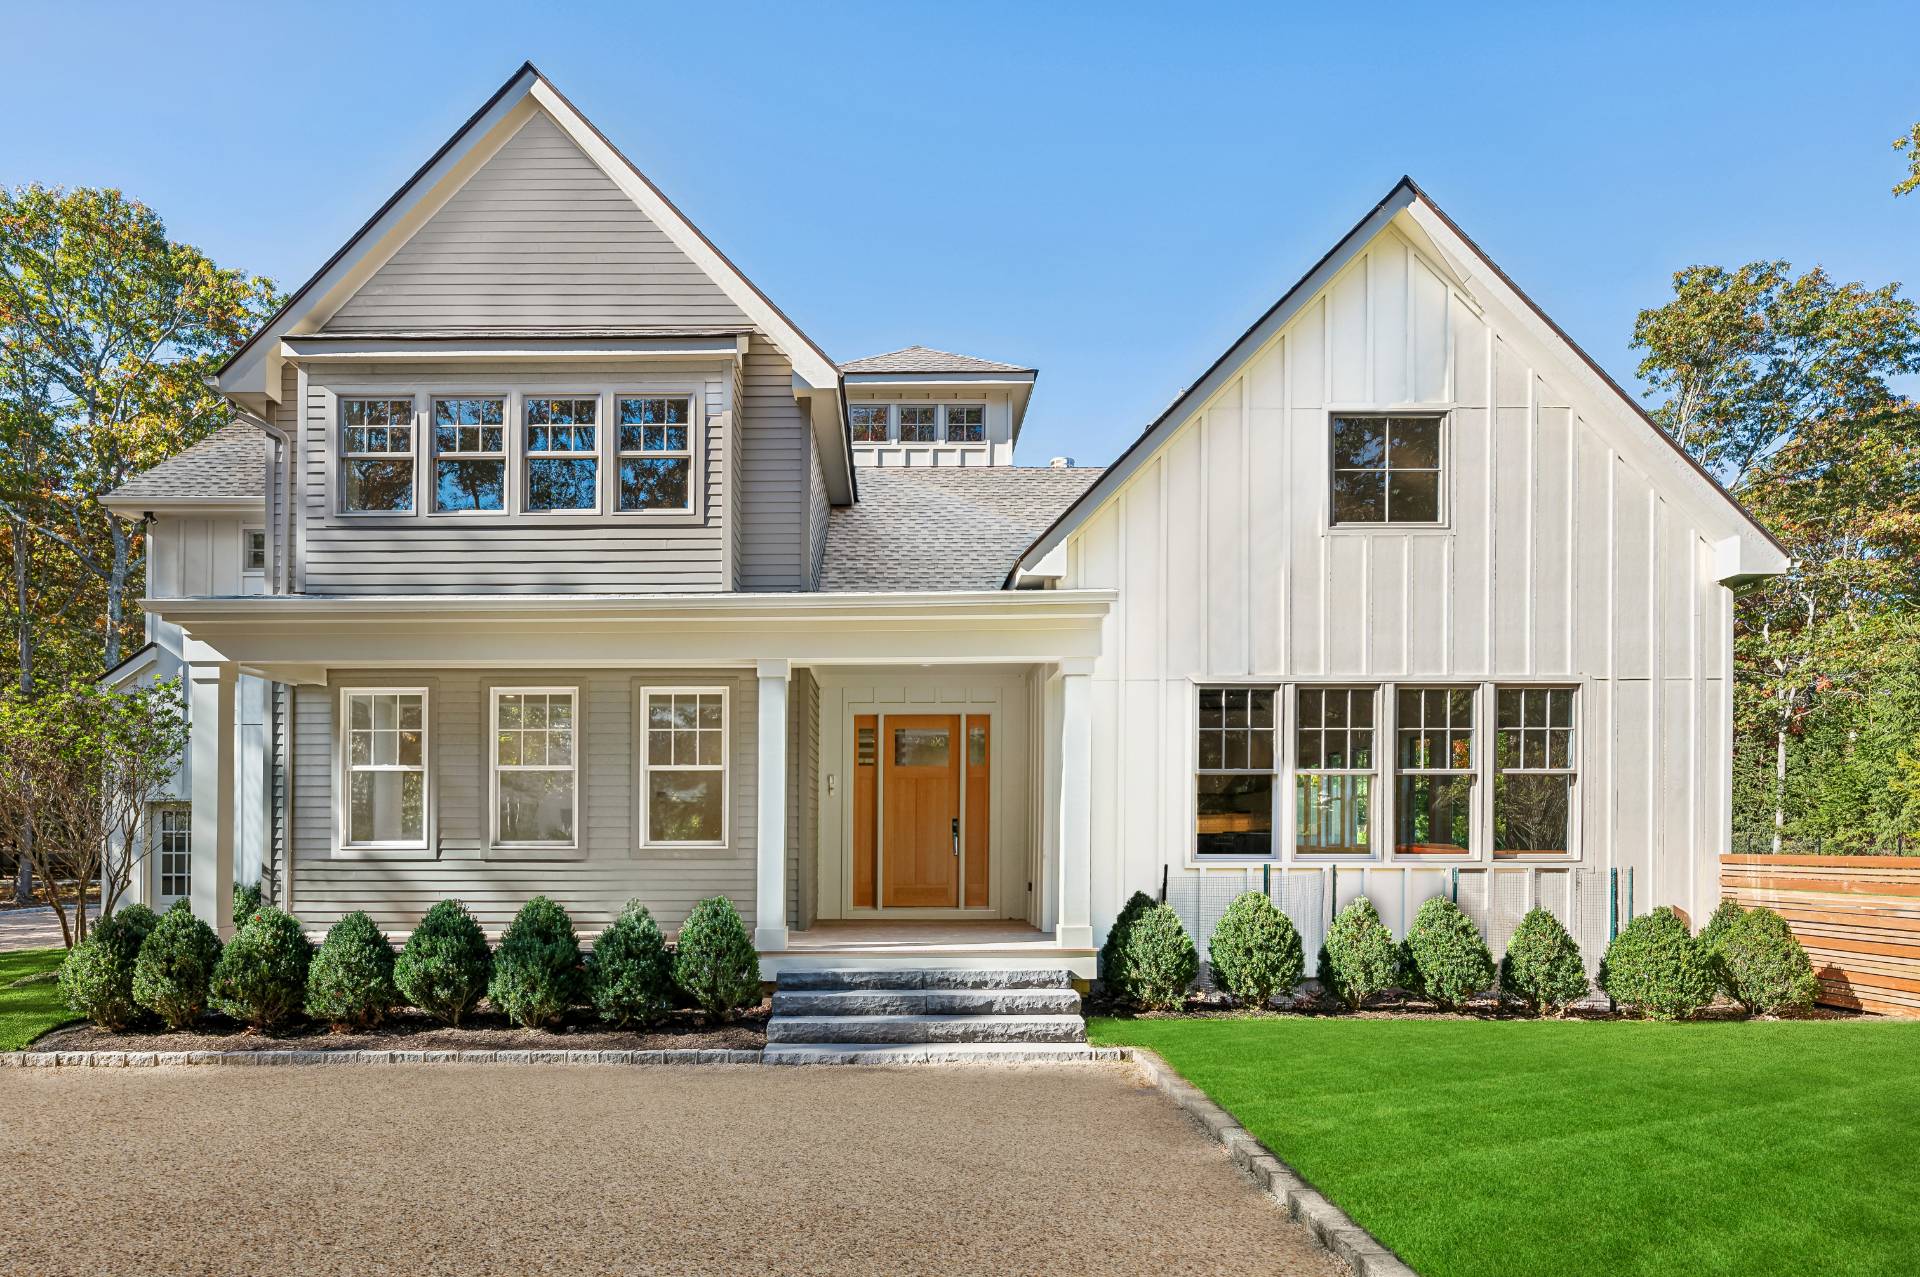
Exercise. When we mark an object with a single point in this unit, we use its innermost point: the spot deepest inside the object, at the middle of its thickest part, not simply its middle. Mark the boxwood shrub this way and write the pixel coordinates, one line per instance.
(175, 967)
(715, 963)
(1359, 958)
(1113, 954)
(1450, 961)
(1542, 970)
(350, 984)
(1255, 951)
(630, 972)
(1761, 965)
(1728, 913)
(444, 965)
(539, 973)
(247, 899)
(1656, 968)
(97, 976)
(261, 977)
(1160, 959)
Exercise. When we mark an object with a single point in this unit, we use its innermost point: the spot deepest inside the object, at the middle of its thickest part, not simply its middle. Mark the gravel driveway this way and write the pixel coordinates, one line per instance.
(498, 1169)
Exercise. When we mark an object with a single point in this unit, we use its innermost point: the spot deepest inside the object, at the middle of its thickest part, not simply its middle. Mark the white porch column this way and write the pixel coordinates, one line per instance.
(770, 884)
(1075, 926)
(211, 684)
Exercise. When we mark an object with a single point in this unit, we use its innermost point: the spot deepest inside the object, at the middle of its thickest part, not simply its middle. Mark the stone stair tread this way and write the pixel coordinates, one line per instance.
(926, 1028)
(928, 978)
(936, 1053)
(1010, 1001)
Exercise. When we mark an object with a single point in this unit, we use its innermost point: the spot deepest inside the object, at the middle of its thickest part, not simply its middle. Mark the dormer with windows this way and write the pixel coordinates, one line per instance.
(924, 407)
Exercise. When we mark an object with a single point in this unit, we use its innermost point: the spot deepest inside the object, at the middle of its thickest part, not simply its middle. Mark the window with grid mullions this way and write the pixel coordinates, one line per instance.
(1233, 784)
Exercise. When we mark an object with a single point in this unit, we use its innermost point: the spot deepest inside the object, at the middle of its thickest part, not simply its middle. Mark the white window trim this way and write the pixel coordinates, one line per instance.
(725, 766)
(494, 693)
(247, 533)
(691, 453)
(1576, 759)
(504, 456)
(344, 458)
(1293, 773)
(1476, 796)
(897, 427)
(156, 849)
(1445, 413)
(986, 424)
(887, 410)
(598, 455)
(343, 770)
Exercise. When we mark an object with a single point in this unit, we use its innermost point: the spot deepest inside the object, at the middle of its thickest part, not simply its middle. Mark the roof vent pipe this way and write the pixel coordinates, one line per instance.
(1061, 463)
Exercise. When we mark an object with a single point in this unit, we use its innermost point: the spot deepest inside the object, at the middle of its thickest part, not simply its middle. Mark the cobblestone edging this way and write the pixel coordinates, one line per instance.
(786, 1058)
(1330, 1225)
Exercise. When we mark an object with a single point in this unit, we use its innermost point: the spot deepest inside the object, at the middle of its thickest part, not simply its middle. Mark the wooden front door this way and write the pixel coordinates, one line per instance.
(920, 836)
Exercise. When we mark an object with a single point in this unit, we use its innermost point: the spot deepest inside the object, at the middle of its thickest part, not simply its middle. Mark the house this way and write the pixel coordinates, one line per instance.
(549, 555)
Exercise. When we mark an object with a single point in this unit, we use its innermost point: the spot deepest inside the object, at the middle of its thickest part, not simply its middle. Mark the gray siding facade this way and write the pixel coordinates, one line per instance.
(776, 445)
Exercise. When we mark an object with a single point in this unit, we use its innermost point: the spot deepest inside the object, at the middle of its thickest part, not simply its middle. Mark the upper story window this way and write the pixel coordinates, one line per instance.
(966, 423)
(1533, 772)
(563, 467)
(656, 452)
(869, 422)
(469, 454)
(1334, 771)
(918, 423)
(1387, 469)
(376, 446)
(1233, 800)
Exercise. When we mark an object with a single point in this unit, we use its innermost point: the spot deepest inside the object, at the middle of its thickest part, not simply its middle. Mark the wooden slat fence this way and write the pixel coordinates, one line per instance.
(1857, 916)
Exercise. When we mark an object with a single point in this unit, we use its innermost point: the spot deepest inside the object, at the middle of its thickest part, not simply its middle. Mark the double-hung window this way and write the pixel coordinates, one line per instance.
(1334, 771)
(966, 423)
(172, 835)
(376, 449)
(469, 454)
(253, 544)
(1533, 772)
(684, 777)
(386, 766)
(563, 466)
(869, 422)
(1233, 800)
(656, 452)
(918, 423)
(1386, 469)
(1433, 771)
(536, 787)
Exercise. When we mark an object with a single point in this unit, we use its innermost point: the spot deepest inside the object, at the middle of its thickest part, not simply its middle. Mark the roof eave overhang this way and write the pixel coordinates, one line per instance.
(323, 348)
(134, 507)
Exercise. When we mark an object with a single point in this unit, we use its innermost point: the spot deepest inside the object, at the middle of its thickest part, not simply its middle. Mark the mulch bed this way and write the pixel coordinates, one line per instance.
(1208, 1006)
(413, 1031)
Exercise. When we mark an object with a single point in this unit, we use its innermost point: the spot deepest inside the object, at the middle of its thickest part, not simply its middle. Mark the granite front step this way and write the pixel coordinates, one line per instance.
(816, 1002)
(905, 1029)
(945, 1053)
(927, 978)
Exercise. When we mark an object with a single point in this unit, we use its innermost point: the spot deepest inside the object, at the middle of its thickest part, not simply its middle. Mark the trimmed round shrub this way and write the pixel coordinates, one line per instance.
(1711, 935)
(1160, 959)
(539, 973)
(1656, 968)
(444, 965)
(1762, 966)
(247, 900)
(1255, 951)
(630, 972)
(1360, 957)
(1450, 961)
(715, 963)
(97, 976)
(1543, 969)
(1113, 954)
(175, 967)
(261, 977)
(350, 984)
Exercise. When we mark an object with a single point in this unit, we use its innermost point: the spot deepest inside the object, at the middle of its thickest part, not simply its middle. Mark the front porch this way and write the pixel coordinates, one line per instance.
(883, 944)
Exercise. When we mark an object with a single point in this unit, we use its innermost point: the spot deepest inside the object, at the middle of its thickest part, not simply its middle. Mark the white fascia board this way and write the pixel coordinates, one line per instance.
(133, 507)
(935, 380)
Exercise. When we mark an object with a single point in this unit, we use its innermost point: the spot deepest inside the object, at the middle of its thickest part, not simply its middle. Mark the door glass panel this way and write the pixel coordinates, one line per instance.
(920, 747)
(976, 746)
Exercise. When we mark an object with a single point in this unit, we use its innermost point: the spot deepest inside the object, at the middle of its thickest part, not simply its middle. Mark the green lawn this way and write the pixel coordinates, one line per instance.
(1546, 1147)
(29, 1010)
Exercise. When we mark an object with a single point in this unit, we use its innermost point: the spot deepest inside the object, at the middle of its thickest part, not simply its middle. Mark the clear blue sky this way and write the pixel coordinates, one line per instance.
(1110, 193)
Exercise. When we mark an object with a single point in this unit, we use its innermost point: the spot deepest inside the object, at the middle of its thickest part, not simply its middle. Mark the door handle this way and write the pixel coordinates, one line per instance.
(956, 836)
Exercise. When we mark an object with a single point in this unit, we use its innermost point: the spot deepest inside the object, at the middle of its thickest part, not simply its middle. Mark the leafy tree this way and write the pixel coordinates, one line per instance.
(1910, 146)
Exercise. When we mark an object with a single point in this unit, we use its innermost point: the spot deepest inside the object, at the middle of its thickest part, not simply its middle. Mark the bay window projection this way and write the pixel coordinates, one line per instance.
(869, 422)
(1333, 771)
(684, 788)
(386, 749)
(563, 468)
(656, 452)
(1386, 469)
(918, 423)
(1433, 771)
(376, 449)
(535, 780)
(966, 423)
(1233, 802)
(1533, 772)
(469, 454)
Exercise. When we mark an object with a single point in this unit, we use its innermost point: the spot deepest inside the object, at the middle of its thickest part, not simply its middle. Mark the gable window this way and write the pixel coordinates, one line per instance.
(1533, 772)
(966, 423)
(656, 452)
(469, 454)
(917, 424)
(253, 551)
(535, 777)
(1233, 800)
(172, 834)
(376, 447)
(869, 422)
(1333, 765)
(386, 765)
(1386, 469)
(563, 467)
(1433, 771)
(683, 788)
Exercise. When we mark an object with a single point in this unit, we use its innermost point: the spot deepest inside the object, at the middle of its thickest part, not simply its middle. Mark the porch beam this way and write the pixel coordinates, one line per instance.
(1074, 926)
(212, 724)
(770, 830)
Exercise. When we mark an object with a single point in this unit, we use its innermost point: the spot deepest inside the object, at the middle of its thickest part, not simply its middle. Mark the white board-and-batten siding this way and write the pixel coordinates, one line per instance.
(1559, 561)
(610, 869)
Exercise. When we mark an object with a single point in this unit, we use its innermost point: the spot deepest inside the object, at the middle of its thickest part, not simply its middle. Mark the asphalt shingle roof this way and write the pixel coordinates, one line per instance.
(231, 462)
(926, 359)
(944, 527)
